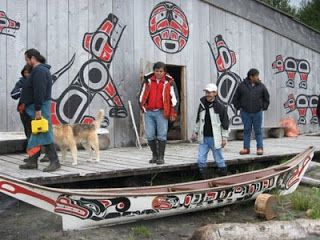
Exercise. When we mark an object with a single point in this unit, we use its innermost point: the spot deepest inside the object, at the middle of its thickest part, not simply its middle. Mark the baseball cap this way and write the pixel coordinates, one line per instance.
(211, 87)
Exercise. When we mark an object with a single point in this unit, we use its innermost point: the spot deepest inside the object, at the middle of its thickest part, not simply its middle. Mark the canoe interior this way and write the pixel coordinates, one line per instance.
(215, 183)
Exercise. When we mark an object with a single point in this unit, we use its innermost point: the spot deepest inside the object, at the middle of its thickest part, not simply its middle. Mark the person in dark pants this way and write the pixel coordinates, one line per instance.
(159, 101)
(212, 130)
(251, 98)
(36, 96)
(16, 94)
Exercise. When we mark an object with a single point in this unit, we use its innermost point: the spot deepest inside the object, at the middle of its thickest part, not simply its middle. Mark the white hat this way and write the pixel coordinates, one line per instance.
(211, 87)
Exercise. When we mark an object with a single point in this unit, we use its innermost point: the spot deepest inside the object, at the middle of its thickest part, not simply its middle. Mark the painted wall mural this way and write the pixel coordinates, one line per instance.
(228, 81)
(292, 66)
(97, 209)
(302, 103)
(168, 27)
(8, 26)
(93, 77)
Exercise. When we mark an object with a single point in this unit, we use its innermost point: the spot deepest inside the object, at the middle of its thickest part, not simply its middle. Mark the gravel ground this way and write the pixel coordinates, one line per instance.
(23, 221)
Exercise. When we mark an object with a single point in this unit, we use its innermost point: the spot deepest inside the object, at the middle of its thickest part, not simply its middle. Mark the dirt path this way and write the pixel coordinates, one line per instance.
(23, 221)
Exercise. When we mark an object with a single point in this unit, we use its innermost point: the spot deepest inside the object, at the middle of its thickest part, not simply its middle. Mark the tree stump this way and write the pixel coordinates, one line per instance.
(265, 206)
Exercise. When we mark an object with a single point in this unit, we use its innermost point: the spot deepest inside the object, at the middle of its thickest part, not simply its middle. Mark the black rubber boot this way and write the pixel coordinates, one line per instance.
(204, 174)
(154, 148)
(53, 157)
(162, 148)
(221, 172)
(31, 162)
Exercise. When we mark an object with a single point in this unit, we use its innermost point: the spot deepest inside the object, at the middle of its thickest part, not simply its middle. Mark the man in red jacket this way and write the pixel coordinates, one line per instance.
(159, 101)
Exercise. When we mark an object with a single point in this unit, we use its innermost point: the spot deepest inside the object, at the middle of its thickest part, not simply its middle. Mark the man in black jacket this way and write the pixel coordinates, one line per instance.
(251, 98)
(36, 96)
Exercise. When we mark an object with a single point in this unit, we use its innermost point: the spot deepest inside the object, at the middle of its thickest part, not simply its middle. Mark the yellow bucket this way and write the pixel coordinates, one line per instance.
(39, 126)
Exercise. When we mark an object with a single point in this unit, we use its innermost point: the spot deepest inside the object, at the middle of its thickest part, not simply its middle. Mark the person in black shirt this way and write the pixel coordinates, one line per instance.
(212, 130)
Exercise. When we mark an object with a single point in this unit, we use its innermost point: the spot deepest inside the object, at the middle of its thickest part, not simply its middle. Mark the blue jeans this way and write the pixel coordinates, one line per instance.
(156, 126)
(208, 143)
(249, 120)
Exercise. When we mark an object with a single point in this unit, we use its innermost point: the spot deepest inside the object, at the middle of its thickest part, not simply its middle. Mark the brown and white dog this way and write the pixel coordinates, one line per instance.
(67, 136)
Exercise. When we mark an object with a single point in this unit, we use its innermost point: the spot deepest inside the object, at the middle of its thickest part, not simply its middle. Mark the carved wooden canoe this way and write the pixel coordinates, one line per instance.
(87, 208)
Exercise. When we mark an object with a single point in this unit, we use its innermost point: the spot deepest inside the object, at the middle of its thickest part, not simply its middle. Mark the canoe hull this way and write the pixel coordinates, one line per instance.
(86, 209)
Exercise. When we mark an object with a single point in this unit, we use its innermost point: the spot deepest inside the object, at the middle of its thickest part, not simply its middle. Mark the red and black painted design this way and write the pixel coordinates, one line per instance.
(15, 189)
(8, 26)
(302, 103)
(97, 209)
(292, 66)
(168, 27)
(290, 178)
(228, 81)
(93, 78)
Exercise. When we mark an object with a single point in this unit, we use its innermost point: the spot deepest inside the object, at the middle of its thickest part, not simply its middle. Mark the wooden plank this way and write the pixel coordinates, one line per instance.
(37, 26)
(98, 11)
(174, 58)
(123, 73)
(189, 61)
(65, 170)
(15, 60)
(78, 25)
(270, 78)
(130, 161)
(159, 55)
(244, 54)
(58, 43)
(3, 69)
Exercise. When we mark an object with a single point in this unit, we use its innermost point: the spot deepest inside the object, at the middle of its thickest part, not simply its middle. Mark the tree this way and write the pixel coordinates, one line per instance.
(309, 13)
(283, 5)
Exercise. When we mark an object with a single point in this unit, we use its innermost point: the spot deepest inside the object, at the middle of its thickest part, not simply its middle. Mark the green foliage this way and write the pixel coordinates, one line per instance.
(308, 13)
(283, 5)
(307, 202)
(141, 231)
(300, 201)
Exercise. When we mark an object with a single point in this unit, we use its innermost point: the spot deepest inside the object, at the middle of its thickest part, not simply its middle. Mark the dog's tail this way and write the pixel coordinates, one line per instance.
(99, 118)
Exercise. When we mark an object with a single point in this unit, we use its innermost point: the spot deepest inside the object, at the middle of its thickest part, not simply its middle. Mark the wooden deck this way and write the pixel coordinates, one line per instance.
(129, 161)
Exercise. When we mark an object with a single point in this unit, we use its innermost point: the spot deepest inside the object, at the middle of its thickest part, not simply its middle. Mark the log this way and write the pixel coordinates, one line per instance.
(285, 230)
(312, 166)
(265, 206)
(276, 132)
(311, 181)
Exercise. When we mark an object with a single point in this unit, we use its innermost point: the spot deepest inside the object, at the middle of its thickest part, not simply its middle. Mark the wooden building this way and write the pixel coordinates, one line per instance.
(99, 49)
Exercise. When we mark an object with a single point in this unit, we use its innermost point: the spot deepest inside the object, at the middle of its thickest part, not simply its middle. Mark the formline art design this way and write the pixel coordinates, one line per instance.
(92, 79)
(302, 103)
(168, 27)
(228, 81)
(8, 26)
(292, 66)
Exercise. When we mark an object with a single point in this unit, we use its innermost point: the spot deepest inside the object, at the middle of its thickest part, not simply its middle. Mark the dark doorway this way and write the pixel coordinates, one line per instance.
(177, 129)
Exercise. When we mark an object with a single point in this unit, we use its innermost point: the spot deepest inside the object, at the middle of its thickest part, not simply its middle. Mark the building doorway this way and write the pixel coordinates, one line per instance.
(177, 130)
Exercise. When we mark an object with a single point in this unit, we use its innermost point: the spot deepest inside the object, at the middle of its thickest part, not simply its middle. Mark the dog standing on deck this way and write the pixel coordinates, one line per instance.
(67, 136)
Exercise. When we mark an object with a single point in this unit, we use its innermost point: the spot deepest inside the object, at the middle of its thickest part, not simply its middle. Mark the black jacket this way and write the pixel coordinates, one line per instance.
(218, 108)
(38, 86)
(16, 91)
(251, 99)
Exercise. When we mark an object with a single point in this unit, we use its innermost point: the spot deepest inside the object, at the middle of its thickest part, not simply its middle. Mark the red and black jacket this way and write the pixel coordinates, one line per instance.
(163, 95)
